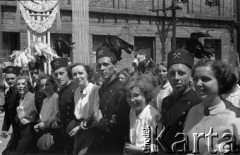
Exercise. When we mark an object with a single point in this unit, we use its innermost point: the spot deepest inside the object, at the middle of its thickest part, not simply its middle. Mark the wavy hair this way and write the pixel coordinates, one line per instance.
(51, 79)
(28, 82)
(223, 73)
(144, 83)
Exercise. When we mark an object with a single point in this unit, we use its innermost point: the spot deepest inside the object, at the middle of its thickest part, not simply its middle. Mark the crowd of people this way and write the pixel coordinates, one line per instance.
(73, 112)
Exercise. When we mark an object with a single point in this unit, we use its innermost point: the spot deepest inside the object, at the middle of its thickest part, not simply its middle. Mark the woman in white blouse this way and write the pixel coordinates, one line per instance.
(86, 108)
(48, 116)
(144, 118)
(233, 95)
(164, 88)
(26, 113)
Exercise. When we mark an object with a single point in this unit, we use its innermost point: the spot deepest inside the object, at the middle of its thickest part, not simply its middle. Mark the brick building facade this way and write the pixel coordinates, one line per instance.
(132, 20)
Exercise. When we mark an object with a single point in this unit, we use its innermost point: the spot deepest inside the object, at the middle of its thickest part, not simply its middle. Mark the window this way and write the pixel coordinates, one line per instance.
(180, 42)
(10, 42)
(62, 49)
(8, 14)
(66, 16)
(215, 44)
(145, 45)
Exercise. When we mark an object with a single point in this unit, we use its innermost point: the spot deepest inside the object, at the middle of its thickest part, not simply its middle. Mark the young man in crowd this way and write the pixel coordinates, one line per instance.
(35, 69)
(12, 98)
(114, 124)
(176, 106)
(66, 100)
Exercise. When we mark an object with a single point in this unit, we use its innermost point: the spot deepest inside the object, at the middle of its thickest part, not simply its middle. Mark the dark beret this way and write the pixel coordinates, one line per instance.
(105, 51)
(35, 65)
(12, 70)
(58, 63)
(180, 56)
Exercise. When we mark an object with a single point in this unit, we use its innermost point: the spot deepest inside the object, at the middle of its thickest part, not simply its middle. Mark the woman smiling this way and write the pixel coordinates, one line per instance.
(86, 109)
(26, 112)
(142, 115)
(214, 115)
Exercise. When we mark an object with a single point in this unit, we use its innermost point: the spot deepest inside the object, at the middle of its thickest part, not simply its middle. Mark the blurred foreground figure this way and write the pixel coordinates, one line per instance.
(213, 116)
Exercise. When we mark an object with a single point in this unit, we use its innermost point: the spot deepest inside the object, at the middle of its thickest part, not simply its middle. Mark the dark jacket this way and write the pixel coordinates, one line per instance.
(12, 98)
(66, 103)
(174, 113)
(113, 105)
(66, 107)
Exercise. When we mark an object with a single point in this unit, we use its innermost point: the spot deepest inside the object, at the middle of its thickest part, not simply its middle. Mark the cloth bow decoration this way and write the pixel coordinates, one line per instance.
(43, 49)
(21, 58)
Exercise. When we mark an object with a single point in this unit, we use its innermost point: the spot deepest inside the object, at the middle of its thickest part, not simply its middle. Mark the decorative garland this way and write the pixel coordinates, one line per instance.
(38, 5)
(38, 26)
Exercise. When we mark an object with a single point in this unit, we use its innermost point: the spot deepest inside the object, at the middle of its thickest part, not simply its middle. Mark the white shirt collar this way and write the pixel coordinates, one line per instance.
(235, 93)
(166, 85)
(87, 89)
(143, 113)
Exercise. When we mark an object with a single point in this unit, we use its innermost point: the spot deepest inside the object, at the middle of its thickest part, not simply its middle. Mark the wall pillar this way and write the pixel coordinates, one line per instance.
(80, 31)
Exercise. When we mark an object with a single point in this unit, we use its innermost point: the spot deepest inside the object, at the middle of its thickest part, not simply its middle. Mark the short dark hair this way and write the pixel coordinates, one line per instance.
(144, 83)
(68, 70)
(223, 73)
(113, 61)
(88, 69)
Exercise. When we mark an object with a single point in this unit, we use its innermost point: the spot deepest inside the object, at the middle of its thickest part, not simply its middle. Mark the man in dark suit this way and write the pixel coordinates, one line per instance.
(114, 124)
(36, 69)
(176, 106)
(66, 101)
(12, 98)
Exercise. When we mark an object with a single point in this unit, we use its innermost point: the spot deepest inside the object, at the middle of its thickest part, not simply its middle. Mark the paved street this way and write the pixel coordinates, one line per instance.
(3, 141)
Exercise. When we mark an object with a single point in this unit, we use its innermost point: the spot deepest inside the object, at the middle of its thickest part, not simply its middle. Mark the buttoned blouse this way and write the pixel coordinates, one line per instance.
(233, 97)
(223, 118)
(87, 102)
(26, 108)
(49, 110)
(147, 119)
(161, 93)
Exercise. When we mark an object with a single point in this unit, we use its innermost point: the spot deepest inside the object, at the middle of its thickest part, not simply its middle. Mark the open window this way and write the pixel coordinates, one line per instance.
(60, 44)
(10, 42)
(145, 46)
(215, 44)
